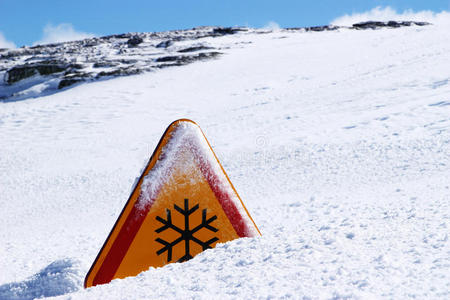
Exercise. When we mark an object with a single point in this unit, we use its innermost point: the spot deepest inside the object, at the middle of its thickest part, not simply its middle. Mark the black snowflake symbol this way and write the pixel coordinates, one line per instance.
(186, 234)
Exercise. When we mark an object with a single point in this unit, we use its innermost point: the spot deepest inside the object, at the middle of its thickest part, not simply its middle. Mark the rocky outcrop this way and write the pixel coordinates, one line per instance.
(194, 49)
(134, 41)
(125, 54)
(361, 26)
(179, 60)
(102, 57)
(391, 24)
(43, 68)
(321, 28)
(165, 44)
(219, 31)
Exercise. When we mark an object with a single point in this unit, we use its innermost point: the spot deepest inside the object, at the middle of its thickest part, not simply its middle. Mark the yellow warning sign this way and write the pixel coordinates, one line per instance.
(183, 204)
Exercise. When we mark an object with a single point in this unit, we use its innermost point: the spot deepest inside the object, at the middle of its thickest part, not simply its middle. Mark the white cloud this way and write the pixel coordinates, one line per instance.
(272, 26)
(4, 43)
(61, 33)
(389, 14)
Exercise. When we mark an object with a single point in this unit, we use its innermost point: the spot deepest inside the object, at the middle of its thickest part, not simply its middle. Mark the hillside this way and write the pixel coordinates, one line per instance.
(337, 141)
(46, 69)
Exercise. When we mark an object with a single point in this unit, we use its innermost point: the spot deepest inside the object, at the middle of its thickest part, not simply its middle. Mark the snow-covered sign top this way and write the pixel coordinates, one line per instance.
(182, 204)
(186, 147)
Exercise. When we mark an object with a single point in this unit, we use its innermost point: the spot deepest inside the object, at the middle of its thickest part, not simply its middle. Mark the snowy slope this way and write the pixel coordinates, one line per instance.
(41, 70)
(338, 143)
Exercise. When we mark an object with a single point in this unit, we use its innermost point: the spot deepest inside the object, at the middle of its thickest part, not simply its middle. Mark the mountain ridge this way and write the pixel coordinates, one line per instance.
(46, 69)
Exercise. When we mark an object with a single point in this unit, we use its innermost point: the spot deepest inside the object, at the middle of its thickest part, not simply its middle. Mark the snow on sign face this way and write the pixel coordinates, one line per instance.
(183, 204)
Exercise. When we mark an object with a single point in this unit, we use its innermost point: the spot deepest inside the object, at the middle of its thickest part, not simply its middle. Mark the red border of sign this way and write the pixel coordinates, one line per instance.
(136, 217)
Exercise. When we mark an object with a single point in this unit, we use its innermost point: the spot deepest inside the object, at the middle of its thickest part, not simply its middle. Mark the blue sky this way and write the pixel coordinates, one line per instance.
(23, 21)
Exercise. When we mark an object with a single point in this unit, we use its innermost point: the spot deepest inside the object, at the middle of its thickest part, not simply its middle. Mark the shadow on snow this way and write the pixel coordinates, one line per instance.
(58, 278)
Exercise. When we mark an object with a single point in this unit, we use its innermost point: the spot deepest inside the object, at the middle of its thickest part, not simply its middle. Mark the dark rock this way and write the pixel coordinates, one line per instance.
(90, 42)
(421, 23)
(128, 61)
(390, 24)
(226, 30)
(120, 72)
(409, 23)
(18, 73)
(185, 59)
(165, 44)
(176, 64)
(294, 28)
(116, 36)
(134, 41)
(105, 64)
(314, 28)
(122, 35)
(74, 72)
(321, 28)
(75, 66)
(169, 58)
(40, 46)
(194, 49)
(397, 24)
(67, 82)
(369, 25)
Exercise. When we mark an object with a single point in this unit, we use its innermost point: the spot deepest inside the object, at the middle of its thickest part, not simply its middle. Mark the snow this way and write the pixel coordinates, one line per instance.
(35, 86)
(183, 141)
(188, 149)
(337, 142)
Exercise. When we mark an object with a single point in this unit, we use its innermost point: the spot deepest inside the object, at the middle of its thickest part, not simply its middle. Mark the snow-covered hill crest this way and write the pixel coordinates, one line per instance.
(46, 69)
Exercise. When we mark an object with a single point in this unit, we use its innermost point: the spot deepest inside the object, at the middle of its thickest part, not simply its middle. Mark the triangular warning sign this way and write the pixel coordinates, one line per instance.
(182, 204)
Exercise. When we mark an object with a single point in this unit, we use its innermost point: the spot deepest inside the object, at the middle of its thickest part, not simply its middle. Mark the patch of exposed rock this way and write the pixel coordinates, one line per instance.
(390, 24)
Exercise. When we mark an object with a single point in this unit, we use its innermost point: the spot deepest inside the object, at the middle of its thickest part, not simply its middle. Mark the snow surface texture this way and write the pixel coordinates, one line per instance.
(338, 142)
